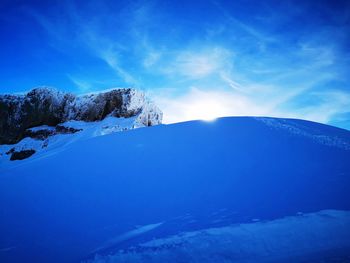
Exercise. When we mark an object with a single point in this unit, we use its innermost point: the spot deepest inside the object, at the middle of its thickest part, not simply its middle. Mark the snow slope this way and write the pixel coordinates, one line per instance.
(58, 141)
(247, 189)
(301, 238)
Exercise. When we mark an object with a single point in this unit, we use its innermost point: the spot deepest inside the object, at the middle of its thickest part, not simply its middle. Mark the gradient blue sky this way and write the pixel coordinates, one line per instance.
(196, 59)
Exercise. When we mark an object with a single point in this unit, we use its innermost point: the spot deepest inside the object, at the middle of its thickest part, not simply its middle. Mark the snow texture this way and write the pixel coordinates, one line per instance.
(297, 128)
(310, 237)
(230, 190)
(57, 141)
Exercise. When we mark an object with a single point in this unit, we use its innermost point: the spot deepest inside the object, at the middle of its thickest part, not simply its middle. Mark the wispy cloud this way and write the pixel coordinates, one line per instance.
(151, 58)
(111, 58)
(233, 67)
(196, 63)
(82, 85)
(86, 33)
(329, 103)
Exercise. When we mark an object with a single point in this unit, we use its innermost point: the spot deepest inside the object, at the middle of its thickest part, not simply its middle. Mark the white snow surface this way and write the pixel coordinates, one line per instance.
(57, 142)
(296, 128)
(230, 190)
(316, 237)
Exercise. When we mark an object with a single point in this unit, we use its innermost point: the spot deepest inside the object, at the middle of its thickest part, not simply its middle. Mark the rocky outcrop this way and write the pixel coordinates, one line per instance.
(42, 133)
(47, 106)
(21, 155)
(39, 134)
(65, 130)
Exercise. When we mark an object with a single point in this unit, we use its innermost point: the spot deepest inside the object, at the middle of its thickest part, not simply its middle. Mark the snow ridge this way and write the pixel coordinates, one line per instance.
(299, 130)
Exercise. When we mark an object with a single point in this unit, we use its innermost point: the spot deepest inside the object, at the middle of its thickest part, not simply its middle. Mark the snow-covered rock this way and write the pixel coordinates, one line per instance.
(32, 122)
(48, 106)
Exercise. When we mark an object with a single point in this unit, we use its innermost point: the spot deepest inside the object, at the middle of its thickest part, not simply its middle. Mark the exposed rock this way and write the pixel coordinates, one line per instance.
(39, 106)
(65, 130)
(45, 144)
(11, 151)
(44, 133)
(47, 106)
(39, 134)
(21, 155)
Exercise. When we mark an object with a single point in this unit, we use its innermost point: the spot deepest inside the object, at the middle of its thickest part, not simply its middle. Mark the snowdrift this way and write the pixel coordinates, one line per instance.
(246, 189)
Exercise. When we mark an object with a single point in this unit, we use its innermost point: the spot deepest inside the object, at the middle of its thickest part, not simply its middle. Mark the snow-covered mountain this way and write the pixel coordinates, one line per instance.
(238, 189)
(45, 118)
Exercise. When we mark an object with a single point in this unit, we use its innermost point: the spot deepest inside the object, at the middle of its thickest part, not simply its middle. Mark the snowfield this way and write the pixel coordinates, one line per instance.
(301, 238)
(237, 189)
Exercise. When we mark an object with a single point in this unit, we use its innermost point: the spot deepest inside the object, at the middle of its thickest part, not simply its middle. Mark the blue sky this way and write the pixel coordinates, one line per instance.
(196, 59)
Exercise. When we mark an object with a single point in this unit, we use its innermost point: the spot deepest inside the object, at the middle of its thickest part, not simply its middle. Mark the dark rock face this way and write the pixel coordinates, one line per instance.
(39, 135)
(38, 107)
(65, 130)
(11, 151)
(21, 155)
(47, 106)
(97, 107)
(43, 134)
